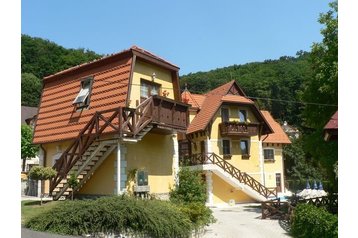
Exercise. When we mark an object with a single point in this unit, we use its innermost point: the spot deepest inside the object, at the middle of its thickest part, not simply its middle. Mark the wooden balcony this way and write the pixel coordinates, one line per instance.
(169, 114)
(238, 129)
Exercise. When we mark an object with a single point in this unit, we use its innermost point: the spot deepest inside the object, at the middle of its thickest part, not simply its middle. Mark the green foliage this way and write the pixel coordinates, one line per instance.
(191, 187)
(322, 87)
(310, 221)
(28, 150)
(199, 215)
(298, 165)
(42, 57)
(41, 173)
(278, 79)
(31, 88)
(73, 181)
(117, 214)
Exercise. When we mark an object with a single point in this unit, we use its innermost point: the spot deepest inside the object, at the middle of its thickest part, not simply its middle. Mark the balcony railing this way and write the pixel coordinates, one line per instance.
(238, 128)
(170, 114)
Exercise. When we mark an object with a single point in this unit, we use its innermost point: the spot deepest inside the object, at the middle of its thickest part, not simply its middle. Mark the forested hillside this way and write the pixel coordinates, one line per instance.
(40, 58)
(280, 79)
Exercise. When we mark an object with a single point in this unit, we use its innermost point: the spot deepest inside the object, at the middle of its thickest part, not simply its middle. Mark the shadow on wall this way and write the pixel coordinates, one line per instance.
(153, 153)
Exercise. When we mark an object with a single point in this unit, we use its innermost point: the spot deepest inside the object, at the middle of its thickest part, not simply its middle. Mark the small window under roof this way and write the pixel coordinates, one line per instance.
(82, 99)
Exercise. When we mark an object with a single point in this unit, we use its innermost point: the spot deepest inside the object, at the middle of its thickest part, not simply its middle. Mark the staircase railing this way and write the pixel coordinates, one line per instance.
(126, 122)
(242, 177)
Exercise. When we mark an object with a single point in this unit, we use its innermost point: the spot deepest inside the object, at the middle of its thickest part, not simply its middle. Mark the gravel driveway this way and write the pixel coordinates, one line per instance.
(243, 221)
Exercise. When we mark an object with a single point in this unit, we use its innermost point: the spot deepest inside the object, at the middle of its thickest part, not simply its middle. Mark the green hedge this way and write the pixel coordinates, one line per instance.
(310, 221)
(117, 214)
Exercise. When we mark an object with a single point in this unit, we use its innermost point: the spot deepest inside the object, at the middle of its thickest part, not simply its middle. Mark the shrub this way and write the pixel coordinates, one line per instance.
(310, 221)
(191, 187)
(117, 214)
(198, 214)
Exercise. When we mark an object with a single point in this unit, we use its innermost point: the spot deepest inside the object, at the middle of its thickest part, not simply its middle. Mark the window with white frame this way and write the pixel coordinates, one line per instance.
(243, 115)
(83, 97)
(269, 154)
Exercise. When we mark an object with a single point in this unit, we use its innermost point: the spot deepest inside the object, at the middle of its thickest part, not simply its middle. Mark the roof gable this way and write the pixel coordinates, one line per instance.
(229, 92)
(278, 135)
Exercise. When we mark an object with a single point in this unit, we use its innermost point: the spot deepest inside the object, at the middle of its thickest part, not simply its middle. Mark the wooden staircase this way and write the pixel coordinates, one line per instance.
(212, 159)
(89, 149)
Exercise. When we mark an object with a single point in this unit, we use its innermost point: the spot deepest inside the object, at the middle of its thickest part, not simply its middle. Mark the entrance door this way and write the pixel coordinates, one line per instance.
(278, 182)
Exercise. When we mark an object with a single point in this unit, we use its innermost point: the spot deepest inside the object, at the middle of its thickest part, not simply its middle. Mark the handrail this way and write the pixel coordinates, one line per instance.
(242, 177)
(122, 120)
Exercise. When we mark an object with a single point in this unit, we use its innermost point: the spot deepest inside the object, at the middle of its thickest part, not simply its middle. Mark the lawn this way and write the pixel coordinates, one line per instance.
(31, 208)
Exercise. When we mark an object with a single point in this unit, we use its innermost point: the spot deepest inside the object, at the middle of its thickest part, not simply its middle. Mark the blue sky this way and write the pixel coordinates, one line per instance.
(195, 35)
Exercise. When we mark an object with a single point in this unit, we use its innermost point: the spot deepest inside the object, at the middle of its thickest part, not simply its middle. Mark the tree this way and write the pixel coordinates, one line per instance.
(41, 173)
(28, 150)
(191, 187)
(31, 88)
(73, 183)
(323, 88)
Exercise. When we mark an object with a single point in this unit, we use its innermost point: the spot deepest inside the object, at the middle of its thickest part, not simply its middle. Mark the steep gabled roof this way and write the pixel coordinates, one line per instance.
(227, 93)
(57, 118)
(278, 135)
(195, 100)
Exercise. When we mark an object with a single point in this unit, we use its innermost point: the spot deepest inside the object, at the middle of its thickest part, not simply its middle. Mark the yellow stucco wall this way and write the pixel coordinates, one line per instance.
(53, 150)
(253, 166)
(102, 181)
(224, 192)
(143, 70)
(154, 153)
(271, 168)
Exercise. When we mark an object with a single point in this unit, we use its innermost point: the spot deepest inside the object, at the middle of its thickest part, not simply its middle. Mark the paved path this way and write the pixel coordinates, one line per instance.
(243, 221)
(27, 233)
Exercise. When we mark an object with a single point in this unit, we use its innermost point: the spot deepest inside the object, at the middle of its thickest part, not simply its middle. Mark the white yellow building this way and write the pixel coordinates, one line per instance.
(238, 146)
(113, 123)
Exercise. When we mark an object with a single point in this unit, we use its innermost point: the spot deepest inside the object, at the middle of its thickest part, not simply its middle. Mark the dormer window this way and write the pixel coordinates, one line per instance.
(83, 98)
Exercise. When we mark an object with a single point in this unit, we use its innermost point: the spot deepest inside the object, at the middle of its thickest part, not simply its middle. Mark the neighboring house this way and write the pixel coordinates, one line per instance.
(28, 117)
(238, 147)
(292, 132)
(331, 128)
(113, 123)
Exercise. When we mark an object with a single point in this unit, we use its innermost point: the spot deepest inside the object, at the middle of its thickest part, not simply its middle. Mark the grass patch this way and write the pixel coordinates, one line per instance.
(31, 208)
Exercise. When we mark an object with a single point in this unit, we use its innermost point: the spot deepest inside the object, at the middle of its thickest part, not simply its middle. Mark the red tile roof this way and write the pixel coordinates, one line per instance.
(213, 101)
(57, 119)
(333, 122)
(278, 136)
(195, 100)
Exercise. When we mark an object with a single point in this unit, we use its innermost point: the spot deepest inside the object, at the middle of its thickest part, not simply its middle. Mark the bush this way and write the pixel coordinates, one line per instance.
(191, 187)
(117, 214)
(198, 214)
(310, 221)
(41, 173)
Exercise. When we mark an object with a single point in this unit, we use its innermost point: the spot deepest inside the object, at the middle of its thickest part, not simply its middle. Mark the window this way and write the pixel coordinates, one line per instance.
(224, 114)
(148, 89)
(83, 98)
(244, 146)
(243, 115)
(269, 154)
(226, 149)
(142, 178)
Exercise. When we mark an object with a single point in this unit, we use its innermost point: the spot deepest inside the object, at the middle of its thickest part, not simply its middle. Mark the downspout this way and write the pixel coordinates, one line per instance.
(42, 185)
(262, 161)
